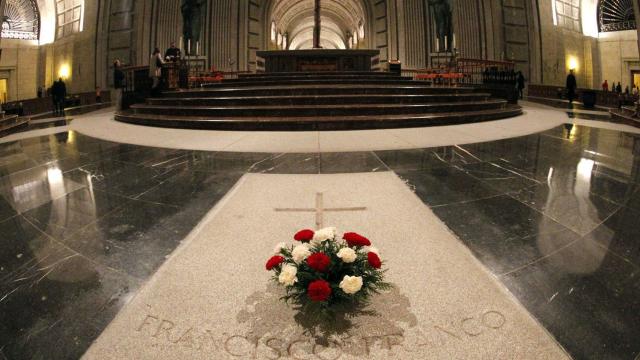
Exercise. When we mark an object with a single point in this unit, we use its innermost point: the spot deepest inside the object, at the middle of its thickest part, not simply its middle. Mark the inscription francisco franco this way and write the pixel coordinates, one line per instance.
(419, 338)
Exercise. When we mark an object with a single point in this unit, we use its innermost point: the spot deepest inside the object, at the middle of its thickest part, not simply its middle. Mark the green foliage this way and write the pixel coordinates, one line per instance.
(339, 301)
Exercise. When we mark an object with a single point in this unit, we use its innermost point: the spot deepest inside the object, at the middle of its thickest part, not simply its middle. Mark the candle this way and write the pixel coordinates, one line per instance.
(181, 43)
(197, 48)
(454, 41)
(437, 45)
(446, 43)
(189, 47)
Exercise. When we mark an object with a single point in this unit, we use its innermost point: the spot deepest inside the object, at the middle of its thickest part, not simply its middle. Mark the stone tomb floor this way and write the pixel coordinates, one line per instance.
(550, 209)
(212, 298)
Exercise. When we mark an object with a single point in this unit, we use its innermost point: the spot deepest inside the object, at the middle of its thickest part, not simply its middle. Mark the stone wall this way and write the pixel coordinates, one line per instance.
(19, 67)
(561, 47)
(618, 52)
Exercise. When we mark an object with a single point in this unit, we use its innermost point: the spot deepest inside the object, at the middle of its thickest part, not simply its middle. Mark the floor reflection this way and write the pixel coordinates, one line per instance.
(557, 221)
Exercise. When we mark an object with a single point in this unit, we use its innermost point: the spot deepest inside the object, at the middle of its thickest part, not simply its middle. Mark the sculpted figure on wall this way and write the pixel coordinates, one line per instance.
(192, 13)
(443, 17)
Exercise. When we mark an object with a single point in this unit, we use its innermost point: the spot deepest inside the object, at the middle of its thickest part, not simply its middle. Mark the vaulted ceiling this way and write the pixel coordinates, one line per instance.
(340, 19)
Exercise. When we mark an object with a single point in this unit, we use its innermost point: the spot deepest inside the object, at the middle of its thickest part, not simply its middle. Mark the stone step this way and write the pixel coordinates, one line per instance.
(258, 79)
(318, 123)
(318, 99)
(308, 82)
(320, 110)
(12, 123)
(320, 73)
(415, 88)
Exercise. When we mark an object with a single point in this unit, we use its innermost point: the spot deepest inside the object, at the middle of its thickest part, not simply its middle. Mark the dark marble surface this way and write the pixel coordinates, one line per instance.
(554, 216)
(556, 219)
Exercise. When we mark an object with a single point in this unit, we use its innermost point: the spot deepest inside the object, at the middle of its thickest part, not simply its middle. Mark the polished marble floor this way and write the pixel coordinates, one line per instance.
(85, 222)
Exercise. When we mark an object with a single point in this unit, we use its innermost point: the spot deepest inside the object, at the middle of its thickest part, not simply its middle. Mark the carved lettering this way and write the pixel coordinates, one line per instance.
(448, 332)
(236, 345)
(468, 325)
(146, 322)
(291, 350)
(306, 348)
(186, 339)
(274, 344)
(493, 319)
(164, 328)
(320, 355)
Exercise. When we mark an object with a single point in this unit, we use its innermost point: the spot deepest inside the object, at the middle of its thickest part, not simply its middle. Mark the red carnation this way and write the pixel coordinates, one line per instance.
(374, 260)
(354, 239)
(319, 262)
(319, 290)
(304, 235)
(274, 261)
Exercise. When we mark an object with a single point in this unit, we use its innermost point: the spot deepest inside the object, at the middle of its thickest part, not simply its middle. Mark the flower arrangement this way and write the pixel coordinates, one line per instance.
(323, 274)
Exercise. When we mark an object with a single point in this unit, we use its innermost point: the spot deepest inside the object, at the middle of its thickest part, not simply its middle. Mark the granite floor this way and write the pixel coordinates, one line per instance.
(554, 215)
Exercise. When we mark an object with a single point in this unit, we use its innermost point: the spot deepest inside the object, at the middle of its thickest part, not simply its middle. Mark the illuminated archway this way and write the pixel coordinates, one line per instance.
(340, 19)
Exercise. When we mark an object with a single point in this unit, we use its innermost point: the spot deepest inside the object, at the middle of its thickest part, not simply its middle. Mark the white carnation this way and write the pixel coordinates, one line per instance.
(288, 275)
(347, 255)
(323, 235)
(372, 249)
(351, 284)
(300, 253)
(279, 247)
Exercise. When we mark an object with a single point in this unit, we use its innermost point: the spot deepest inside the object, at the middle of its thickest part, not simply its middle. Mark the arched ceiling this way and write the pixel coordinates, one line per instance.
(21, 20)
(616, 15)
(339, 19)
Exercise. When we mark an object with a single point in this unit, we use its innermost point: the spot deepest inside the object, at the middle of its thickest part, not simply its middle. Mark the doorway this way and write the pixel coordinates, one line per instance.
(635, 78)
(3, 91)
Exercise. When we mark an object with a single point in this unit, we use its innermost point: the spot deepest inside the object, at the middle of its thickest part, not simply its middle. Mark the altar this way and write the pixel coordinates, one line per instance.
(317, 60)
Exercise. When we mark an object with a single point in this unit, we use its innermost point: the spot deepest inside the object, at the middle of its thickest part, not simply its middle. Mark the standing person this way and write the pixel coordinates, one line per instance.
(62, 96)
(572, 84)
(98, 95)
(118, 83)
(155, 70)
(605, 86)
(56, 93)
(619, 88)
(172, 53)
(39, 91)
(521, 80)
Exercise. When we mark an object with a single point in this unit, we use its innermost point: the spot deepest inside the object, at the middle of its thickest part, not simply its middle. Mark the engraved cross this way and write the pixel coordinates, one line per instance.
(319, 210)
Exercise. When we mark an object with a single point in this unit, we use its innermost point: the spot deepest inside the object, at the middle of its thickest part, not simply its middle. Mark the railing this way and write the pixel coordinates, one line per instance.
(468, 72)
(603, 98)
(42, 105)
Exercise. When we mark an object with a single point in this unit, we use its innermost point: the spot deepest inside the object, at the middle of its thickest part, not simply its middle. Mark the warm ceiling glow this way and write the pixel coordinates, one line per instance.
(65, 71)
(589, 18)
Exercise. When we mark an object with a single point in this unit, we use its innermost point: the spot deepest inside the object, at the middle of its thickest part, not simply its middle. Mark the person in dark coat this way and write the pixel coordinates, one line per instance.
(572, 85)
(619, 88)
(118, 83)
(59, 94)
(521, 80)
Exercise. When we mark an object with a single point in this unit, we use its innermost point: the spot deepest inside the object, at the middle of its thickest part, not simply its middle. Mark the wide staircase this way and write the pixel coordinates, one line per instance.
(10, 124)
(318, 101)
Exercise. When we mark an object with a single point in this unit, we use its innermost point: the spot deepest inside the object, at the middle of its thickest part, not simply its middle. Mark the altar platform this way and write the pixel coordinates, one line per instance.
(317, 60)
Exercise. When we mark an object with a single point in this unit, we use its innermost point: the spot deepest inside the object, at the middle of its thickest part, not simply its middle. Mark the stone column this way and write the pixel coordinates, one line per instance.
(317, 25)
(636, 10)
(3, 3)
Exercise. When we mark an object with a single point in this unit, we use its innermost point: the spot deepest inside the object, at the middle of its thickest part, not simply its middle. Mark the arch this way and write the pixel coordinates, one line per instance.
(339, 18)
(616, 15)
(21, 20)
